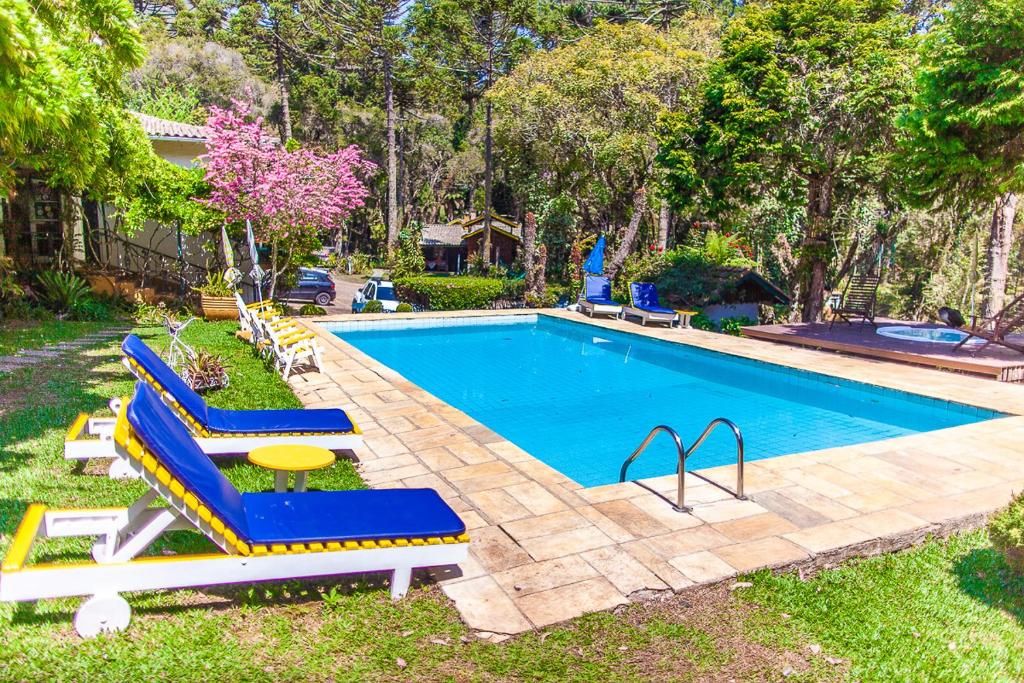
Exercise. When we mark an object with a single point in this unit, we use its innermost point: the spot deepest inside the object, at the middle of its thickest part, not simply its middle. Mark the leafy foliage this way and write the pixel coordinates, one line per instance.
(407, 260)
(311, 309)
(966, 120)
(373, 306)
(289, 194)
(61, 66)
(799, 106)
(582, 119)
(734, 326)
(458, 293)
(216, 285)
(62, 292)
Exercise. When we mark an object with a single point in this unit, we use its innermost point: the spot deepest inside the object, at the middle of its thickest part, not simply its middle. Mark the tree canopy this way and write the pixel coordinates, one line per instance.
(61, 71)
(803, 99)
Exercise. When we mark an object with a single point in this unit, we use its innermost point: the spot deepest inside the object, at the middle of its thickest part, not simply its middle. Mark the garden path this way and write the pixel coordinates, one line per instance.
(24, 358)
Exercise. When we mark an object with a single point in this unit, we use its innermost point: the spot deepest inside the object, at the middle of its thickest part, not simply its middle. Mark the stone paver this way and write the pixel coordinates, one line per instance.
(544, 549)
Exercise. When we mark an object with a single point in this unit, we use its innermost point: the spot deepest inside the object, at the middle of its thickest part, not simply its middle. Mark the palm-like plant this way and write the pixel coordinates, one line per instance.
(62, 292)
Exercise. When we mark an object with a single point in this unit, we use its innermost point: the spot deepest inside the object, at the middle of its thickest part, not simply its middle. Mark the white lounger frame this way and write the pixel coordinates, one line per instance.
(78, 447)
(124, 533)
(648, 316)
(593, 309)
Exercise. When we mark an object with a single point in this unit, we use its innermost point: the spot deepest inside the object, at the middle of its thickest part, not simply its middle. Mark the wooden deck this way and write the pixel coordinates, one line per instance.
(857, 339)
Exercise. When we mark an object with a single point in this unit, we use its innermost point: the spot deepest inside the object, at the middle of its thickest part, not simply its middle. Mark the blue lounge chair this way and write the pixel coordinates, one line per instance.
(263, 536)
(219, 432)
(644, 299)
(597, 297)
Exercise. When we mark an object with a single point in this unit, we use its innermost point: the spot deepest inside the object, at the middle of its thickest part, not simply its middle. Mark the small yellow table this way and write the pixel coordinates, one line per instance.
(684, 317)
(285, 458)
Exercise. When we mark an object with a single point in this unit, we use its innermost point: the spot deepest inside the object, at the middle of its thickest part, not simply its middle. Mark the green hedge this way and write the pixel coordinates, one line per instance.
(457, 293)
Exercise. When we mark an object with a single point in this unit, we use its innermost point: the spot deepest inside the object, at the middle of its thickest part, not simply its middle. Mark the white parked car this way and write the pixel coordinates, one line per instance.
(376, 290)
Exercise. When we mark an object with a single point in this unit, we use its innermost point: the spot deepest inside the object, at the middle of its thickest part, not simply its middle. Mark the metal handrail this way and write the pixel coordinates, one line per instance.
(684, 453)
(680, 504)
(739, 452)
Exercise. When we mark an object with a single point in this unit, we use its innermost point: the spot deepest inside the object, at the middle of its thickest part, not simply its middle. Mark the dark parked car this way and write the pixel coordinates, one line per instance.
(313, 285)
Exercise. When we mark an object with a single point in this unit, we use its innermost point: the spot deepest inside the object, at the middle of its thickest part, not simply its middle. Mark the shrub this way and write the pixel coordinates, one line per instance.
(546, 300)
(93, 309)
(1006, 529)
(373, 306)
(10, 290)
(21, 309)
(311, 309)
(63, 292)
(702, 322)
(216, 285)
(361, 264)
(408, 258)
(149, 315)
(734, 326)
(458, 293)
(404, 308)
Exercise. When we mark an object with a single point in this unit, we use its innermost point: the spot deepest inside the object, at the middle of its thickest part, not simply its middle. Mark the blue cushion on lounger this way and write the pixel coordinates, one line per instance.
(645, 297)
(170, 442)
(265, 518)
(598, 289)
(319, 516)
(135, 349)
(319, 420)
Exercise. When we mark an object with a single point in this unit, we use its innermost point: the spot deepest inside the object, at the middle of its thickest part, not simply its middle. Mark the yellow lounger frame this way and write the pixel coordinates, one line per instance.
(122, 534)
(78, 445)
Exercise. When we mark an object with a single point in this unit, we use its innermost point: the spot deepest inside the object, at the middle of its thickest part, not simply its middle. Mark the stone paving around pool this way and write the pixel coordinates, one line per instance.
(545, 549)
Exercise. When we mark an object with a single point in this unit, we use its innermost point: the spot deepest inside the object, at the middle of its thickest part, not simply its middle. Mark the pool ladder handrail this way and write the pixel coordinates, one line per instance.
(684, 453)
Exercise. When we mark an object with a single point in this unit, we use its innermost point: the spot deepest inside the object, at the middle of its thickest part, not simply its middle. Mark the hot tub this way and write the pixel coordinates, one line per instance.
(935, 335)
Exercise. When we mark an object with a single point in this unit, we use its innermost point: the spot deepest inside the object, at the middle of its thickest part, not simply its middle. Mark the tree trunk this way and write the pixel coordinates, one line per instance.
(389, 100)
(664, 224)
(1000, 243)
(488, 181)
(282, 85)
(529, 240)
(488, 149)
(629, 238)
(814, 254)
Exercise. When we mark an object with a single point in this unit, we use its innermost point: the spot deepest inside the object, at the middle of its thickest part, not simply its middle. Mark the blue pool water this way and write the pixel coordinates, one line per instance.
(581, 398)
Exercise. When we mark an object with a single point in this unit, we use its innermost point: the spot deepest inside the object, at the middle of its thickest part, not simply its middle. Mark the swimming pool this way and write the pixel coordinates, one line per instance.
(581, 398)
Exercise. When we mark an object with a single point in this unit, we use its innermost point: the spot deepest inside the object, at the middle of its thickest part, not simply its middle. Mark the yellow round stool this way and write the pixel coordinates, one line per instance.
(285, 458)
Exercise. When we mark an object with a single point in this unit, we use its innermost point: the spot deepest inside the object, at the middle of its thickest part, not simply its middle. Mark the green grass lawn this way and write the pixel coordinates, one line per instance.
(858, 622)
(19, 334)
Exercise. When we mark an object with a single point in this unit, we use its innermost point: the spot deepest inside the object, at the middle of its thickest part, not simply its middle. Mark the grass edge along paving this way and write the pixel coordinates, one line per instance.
(346, 629)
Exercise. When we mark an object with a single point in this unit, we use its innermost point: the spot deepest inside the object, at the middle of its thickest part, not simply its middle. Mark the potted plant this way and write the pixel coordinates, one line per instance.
(217, 298)
(204, 371)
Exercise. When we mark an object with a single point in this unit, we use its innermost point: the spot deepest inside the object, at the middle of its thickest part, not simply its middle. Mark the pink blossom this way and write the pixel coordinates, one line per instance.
(281, 192)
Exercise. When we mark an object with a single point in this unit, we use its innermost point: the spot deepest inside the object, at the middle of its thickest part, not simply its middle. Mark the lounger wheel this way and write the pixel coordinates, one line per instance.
(102, 614)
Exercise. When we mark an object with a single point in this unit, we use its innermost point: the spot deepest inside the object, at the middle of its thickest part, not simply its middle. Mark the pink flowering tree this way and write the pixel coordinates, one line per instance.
(292, 197)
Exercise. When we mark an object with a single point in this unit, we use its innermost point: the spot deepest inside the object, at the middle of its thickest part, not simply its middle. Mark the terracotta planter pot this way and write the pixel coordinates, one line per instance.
(102, 284)
(218, 307)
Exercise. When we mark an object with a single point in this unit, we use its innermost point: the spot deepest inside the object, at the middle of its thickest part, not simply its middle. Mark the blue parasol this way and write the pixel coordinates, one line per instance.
(595, 262)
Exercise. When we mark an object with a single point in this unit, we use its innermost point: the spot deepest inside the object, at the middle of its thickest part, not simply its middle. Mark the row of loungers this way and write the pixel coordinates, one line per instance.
(165, 435)
(643, 297)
